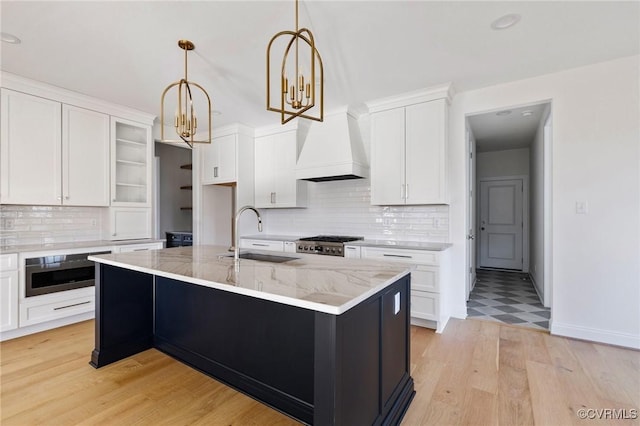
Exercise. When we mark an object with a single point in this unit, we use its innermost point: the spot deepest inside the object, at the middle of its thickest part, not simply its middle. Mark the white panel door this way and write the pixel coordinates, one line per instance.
(30, 150)
(501, 224)
(85, 157)
(388, 157)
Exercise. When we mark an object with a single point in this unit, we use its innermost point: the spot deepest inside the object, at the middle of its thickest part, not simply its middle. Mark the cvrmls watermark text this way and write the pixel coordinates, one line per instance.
(608, 413)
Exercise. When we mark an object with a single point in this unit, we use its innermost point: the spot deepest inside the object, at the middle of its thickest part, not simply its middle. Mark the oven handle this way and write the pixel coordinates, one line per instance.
(34, 269)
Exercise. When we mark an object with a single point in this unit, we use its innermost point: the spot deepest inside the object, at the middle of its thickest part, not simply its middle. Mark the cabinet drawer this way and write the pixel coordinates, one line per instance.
(425, 278)
(34, 313)
(401, 255)
(424, 305)
(9, 262)
(352, 252)
(262, 245)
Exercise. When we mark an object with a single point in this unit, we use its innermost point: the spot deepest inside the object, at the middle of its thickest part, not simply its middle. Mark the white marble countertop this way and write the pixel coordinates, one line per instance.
(74, 245)
(409, 245)
(321, 283)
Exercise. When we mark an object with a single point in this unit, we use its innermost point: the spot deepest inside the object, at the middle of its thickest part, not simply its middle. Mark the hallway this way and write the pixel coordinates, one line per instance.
(507, 297)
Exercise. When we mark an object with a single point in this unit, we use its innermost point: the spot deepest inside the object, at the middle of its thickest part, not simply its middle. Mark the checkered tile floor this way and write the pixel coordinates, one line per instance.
(507, 297)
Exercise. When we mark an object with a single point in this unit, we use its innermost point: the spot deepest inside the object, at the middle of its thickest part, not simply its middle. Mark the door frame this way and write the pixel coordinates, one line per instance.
(471, 225)
(525, 216)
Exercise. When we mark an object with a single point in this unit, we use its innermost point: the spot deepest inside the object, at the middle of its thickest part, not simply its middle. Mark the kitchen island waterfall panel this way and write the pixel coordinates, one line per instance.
(319, 368)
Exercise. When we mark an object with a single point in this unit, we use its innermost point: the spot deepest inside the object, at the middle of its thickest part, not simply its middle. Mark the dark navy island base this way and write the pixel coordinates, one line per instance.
(318, 368)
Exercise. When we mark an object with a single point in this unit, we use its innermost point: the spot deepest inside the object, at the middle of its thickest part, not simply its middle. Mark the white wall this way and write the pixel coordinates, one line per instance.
(536, 208)
(508, 162)
(595, 260)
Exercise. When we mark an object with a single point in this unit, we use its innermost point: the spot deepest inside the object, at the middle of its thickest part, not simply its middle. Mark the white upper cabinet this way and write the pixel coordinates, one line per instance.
(52, 154)
(131, 151)
(31, 141)
(409, 150)
(219, 160)
(228, 160)
(275, 171)
(85, 157)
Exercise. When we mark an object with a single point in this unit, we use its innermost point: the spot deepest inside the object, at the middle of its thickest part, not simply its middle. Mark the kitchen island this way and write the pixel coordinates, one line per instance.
(324, 340)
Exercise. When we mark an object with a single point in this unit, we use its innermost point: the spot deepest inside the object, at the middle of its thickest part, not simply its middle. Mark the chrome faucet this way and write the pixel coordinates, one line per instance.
(236, 249)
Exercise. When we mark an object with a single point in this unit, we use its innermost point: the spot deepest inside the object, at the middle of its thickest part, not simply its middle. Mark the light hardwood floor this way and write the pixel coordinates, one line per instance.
(476, 373)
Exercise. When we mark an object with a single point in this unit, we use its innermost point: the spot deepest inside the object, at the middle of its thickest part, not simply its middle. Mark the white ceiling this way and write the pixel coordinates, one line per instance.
(511, 128)
(126, 52)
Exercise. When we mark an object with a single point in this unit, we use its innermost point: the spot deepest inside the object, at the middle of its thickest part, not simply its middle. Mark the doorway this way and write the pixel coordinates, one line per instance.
(509, 198)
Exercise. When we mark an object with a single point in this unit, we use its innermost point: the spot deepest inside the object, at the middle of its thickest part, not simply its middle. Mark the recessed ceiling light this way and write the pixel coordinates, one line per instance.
(506, 21)
(503, 113)
(527, 113)
(10, 38)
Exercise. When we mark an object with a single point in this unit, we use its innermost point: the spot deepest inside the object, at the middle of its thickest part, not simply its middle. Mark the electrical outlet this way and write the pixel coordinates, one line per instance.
(94, 223)
(581, 207)
(8, 224)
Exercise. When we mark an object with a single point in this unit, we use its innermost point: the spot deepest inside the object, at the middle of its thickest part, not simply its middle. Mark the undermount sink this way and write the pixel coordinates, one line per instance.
(264, 257)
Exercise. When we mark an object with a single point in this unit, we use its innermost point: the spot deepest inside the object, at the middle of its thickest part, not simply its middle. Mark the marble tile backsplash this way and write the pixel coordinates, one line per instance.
(25, 225)
(343, 208)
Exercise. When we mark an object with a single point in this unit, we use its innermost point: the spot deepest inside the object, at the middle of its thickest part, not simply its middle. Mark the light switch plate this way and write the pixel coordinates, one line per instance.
(396, 303)
(581, 207)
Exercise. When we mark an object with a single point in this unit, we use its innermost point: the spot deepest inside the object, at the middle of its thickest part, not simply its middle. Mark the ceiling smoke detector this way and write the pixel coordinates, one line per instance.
(506, 21)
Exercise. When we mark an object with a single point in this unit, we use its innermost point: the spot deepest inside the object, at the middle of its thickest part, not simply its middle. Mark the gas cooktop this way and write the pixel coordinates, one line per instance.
(328, 245)
(331, 239)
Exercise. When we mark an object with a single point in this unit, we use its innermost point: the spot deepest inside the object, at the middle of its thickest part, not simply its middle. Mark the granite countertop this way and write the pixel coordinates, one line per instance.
(409, 245)
(321, 283)
(75, 245)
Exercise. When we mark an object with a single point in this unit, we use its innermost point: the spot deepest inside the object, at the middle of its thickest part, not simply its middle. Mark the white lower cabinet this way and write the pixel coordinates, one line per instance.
(352, 252)
(38, 309)
(8, 292)
(269, 245)
(426, 294)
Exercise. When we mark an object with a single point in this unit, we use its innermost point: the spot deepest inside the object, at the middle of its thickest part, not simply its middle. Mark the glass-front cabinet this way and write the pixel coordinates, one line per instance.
(131, 152)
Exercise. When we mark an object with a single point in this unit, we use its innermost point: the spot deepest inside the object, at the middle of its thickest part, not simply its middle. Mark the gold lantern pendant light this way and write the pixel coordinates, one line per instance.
(298, 99)
(185, 121)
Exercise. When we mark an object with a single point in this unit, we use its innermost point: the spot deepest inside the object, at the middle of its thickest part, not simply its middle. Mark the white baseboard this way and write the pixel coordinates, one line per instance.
(596, 335)
(459, 311)
(36, 328)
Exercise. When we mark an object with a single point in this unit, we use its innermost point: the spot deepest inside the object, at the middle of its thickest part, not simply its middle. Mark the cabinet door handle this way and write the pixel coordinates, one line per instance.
(404, 256)
(71, 306)
(66, 197)
(259, 245)
(406, 191)
(215, 171)
(273, 198)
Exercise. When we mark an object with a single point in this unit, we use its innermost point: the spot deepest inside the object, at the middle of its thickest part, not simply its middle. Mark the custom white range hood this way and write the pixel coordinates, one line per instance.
(333, 150)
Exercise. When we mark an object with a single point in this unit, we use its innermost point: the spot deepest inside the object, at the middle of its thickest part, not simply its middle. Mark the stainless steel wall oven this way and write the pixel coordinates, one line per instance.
(50, 274)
